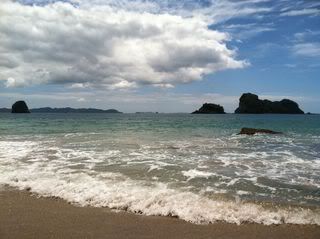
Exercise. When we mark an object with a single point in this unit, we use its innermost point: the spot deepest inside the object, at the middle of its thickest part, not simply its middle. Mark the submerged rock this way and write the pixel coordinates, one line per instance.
(20, 107)
(252, 131)
(251, 104)
(209, 108)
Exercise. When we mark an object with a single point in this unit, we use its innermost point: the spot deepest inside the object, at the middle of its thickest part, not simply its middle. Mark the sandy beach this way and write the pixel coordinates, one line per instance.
(23, 215)
(162, 119)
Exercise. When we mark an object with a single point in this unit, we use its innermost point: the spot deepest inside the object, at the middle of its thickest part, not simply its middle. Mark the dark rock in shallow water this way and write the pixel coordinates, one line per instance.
(20, 107)
(209, 108)
(251, 104)
(252, 131)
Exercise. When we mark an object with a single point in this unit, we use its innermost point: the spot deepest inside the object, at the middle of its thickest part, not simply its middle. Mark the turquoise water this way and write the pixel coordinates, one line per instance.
(195, 167)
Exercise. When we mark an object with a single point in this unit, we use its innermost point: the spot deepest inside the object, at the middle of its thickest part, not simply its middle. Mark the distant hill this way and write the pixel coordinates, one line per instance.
(72, 110)
(5, 110)
(147, 112)
(64, 110)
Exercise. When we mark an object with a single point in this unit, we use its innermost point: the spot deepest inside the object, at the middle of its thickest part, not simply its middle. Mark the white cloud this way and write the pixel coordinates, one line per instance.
(245, 31)
(79, 86)
(81, 100)
(212, 11)
(123, 85)
(305, 35)
(304, 44)
(290, 65)
(103, 47)
(221, 10)
(13, 83)
(310, 49)
(301, 12)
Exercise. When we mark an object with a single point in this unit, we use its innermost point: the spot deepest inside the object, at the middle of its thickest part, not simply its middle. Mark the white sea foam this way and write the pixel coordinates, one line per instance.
(118, 192)
(194, 173)
(26, 164)
(154, 167)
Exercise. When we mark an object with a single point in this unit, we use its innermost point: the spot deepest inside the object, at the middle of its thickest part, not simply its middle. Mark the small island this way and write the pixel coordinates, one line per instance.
(251, 104)
(210, 108)
(20, 107)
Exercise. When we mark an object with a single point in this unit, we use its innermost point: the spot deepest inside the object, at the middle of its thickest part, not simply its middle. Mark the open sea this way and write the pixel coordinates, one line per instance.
(194, 167)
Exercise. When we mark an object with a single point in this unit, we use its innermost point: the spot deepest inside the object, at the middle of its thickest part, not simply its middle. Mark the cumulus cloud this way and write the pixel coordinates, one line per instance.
(59, 43)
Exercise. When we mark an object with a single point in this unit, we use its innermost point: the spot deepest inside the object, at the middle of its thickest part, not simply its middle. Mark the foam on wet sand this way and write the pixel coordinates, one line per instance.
(28, 216)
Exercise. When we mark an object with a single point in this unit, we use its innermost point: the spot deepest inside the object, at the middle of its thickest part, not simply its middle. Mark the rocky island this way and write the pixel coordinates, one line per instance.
(209, 108)
(20, 107)
(251, 104)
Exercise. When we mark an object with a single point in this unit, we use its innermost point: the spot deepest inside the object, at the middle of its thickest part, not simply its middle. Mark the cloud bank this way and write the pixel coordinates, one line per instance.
(62, 43)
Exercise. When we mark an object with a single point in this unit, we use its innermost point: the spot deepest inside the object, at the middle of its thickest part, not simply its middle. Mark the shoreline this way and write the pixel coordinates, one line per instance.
(24, 215)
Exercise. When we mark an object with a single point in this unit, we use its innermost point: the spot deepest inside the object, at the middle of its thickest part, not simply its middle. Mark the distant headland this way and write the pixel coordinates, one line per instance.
(73, 110)
(21, 107)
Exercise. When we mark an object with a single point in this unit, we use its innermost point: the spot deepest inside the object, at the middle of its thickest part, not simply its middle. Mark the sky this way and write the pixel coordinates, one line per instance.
(158, 55)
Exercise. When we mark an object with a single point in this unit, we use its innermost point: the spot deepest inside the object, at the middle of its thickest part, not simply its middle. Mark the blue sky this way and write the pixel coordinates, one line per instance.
(159, 55)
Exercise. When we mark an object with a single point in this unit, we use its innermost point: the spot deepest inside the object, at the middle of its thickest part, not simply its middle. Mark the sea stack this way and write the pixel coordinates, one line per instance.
(20, 107)
(251, 104)
(209, 108)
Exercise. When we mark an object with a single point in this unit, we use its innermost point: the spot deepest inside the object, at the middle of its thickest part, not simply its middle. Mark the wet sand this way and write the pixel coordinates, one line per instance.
(23, 215)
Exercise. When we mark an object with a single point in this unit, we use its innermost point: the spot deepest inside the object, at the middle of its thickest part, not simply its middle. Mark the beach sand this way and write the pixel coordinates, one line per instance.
(23, 215)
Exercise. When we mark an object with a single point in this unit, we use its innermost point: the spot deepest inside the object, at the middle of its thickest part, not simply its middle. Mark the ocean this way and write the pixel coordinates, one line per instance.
(194, 167)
